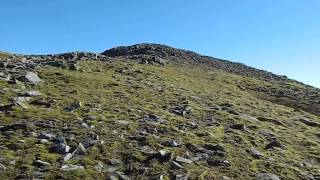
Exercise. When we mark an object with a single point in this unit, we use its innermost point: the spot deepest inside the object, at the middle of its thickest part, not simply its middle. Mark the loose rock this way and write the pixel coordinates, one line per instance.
(71, 167)
(183, 160)
(267, 176)
(275, 143)
(30, 77)
(41, 163)
(255, 153)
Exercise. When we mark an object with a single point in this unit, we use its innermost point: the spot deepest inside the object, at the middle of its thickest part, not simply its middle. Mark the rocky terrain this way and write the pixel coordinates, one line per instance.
(151, 111)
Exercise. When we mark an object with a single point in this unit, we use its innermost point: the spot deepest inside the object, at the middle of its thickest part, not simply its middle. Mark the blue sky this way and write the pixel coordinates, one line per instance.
(282, 36)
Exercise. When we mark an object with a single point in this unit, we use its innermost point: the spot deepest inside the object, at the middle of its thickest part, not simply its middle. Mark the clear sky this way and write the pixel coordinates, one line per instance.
(281, 36)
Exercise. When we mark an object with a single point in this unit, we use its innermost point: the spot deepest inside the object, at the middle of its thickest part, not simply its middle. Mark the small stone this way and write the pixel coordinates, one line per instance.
(183, 160)
(112, 177)
(214, 147)
(67, 157)
(182, 177)
(2, 167)
(41, 163)
(33, 93)
(275, 143)
(71, 167)
(267, 176)
(114, 162)
(238, 127)
(44, 135)
(154, 118)
(90, 118)
(60, 148)
(176, 165)
(20, 100)
(163, 152)
(99, 166)
(173, 143)
(123, 122)
(255, 153)
(85, 125)
(225, 178)
(59, 139)
(73, 106)
(73, 66)
(214, 162)
(44, 141)
(81, 148)
(161, 177)
(123, 176)
(164, 156)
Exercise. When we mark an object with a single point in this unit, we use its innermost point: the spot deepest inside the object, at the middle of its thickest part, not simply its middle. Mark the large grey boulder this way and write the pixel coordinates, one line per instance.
(31, 78)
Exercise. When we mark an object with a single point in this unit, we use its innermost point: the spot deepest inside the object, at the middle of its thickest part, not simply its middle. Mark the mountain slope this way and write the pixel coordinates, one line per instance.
(151, 111)
(281, 90)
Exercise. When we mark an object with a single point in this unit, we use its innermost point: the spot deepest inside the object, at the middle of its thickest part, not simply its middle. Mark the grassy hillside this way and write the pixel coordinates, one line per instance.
(136, 120)
(4, 55)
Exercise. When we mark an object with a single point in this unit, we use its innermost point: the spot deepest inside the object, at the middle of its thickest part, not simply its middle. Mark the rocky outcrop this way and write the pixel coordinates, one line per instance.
(23, 67)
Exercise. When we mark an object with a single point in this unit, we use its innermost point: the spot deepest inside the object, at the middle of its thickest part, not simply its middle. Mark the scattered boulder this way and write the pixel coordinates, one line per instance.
(60, 146)
(31, 78)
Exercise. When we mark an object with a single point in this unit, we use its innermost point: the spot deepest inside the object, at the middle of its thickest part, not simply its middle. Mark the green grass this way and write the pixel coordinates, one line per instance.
(144, 89)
